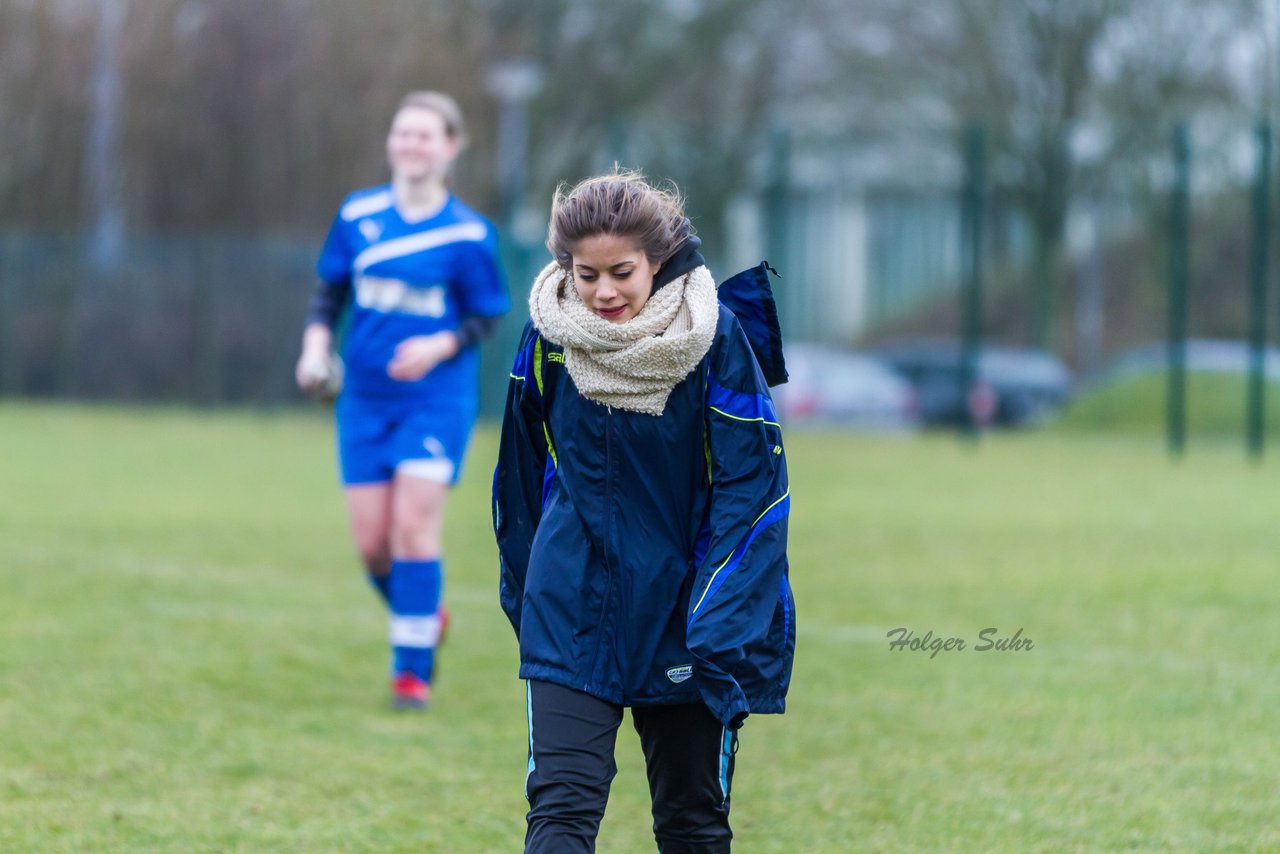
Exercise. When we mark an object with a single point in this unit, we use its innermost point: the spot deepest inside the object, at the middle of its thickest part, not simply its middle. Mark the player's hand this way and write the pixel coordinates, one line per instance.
(415, 357)
(319, 373)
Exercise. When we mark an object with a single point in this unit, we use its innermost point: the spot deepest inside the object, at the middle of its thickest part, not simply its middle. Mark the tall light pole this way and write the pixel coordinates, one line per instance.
(105, 183)
(514, 82)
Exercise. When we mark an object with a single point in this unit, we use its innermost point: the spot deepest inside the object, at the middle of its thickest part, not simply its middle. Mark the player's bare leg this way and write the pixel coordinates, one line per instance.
(369, 512)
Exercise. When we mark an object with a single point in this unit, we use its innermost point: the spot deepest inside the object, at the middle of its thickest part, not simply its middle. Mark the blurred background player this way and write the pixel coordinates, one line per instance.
(420, 273)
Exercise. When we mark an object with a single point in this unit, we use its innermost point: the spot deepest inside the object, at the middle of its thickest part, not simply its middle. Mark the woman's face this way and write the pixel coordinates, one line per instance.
(419, 147)
(612, 275)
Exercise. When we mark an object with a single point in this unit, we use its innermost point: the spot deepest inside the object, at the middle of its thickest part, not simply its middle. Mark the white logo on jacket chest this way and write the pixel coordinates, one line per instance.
(370, 229)
(679, 674)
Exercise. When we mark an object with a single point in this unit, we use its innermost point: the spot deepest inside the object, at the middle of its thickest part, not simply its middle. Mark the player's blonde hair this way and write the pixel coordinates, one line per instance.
(443, 105)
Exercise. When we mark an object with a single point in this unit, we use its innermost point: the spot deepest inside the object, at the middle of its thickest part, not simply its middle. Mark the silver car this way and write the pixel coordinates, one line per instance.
(828, 385)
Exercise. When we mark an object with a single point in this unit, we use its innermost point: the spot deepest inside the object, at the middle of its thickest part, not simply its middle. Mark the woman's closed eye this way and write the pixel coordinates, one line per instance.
(591, 277)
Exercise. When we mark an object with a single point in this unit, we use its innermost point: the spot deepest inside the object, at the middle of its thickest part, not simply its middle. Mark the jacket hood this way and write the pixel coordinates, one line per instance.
(686, 259)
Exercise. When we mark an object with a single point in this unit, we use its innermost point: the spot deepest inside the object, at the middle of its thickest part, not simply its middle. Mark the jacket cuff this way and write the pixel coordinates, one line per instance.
(724, 698)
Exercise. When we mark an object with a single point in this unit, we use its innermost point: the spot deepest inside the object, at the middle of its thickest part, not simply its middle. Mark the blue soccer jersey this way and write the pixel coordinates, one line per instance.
(411, 278)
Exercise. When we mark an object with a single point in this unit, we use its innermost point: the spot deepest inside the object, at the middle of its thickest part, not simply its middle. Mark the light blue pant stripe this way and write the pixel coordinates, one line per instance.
(528, 703)
(726, 751)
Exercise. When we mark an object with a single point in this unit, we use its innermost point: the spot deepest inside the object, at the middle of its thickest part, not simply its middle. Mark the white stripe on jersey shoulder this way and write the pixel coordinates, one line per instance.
(366, 205)
(462, 232)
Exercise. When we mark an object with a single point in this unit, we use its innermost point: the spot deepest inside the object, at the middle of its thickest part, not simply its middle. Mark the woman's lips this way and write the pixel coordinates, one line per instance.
(611, 312)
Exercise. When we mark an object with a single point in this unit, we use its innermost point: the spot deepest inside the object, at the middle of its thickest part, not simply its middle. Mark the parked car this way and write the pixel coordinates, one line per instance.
(833, 386)
(1014, 386)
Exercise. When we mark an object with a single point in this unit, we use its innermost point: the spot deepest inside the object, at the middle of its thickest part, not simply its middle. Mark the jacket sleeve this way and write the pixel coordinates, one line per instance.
(742, 554)
(521, 472)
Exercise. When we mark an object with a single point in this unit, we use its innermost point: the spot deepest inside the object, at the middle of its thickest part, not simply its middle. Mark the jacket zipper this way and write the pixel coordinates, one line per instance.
(608, 512)
(622, 626)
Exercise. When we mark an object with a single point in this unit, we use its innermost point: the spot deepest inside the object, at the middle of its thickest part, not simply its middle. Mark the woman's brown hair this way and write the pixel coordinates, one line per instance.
(623, 204)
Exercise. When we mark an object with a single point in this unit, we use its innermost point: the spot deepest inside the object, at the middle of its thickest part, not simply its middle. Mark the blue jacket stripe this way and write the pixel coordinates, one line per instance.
(739, 405)
(786, 607)
(778, 510)
(521, 366)
(526, 363)
(548, 475)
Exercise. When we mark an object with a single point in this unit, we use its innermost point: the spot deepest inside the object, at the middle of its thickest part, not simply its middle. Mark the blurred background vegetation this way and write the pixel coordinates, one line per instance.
(168, 167)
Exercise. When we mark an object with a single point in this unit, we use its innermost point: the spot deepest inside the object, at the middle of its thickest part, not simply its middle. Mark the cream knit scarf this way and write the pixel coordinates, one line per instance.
(631, 365)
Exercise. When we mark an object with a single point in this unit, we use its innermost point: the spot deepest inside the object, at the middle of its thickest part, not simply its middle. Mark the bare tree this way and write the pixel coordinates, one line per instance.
(1046, 79)
(681, 89)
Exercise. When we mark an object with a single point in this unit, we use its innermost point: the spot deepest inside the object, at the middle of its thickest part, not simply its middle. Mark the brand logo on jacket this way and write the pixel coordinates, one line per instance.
(679, 674)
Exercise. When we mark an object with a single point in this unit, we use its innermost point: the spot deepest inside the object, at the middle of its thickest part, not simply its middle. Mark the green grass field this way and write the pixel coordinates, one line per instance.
(191, 661)
(1136, 406)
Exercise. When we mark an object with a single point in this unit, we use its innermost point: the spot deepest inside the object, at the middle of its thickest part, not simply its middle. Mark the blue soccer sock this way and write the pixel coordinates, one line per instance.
(415, 623)
(381, 584)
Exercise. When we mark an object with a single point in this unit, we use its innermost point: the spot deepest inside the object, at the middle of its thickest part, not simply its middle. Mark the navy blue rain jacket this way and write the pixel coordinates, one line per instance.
(643, 558)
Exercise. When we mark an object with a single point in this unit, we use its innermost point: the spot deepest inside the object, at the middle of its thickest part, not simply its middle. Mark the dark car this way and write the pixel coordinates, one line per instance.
(1014, 386)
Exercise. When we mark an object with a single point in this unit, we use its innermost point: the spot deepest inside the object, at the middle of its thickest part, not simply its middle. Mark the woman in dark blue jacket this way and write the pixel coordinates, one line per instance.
(640, 506)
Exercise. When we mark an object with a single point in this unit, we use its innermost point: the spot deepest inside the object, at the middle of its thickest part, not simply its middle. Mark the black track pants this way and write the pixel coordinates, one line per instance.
(688, 757)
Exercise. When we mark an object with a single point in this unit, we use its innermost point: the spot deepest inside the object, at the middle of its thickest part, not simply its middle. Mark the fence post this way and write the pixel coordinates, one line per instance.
(1258, 293)
(776, 226)
(1176, 401)
(10, 310)
(971, 216)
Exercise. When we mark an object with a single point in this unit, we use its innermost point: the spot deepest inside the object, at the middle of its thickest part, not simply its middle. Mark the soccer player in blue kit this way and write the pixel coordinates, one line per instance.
(420, 273)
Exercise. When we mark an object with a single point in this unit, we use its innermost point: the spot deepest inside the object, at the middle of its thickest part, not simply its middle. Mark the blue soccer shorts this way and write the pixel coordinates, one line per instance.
(378, 438)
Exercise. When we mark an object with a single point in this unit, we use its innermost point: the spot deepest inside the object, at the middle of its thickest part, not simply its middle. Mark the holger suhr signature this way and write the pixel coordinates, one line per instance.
(903, 639)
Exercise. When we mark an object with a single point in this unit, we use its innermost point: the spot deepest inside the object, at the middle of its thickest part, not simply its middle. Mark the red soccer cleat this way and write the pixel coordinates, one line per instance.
(409, 692)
